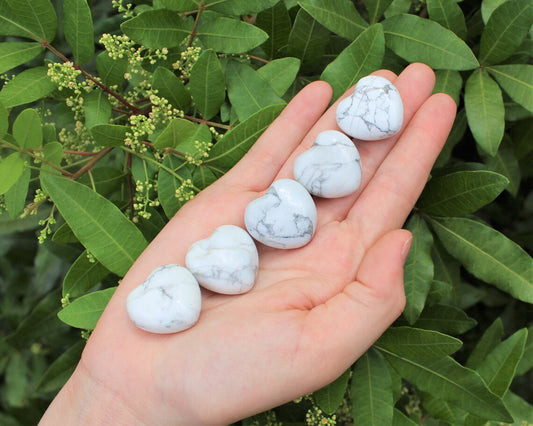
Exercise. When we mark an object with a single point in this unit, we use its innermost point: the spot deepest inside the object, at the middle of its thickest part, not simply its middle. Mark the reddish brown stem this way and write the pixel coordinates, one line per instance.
(209, 123)
(95, 159)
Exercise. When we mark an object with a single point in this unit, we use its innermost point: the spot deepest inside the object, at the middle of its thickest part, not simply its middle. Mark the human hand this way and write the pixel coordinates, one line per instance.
(312, 312)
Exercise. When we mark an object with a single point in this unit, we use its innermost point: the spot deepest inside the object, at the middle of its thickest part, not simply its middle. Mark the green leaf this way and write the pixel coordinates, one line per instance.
(57, 373)
(207, 84)
(442, 410)
(307, 39)
(521, 410)
(488, 341)
(330, 397)
(82, 276)
(506, 164)
(16, 196)
(275, 22)
(418, 270)
(462, 192)
(235, 143)
(98, 223)
(376, 8)
(505, 30)
(489, 6)
(34, 19)
(109, 134)
(485, 111)
(27, 129)
(78, 29)
(339, 16)
(179, 5)
(488, 255)
(16, 381)
(111, 70)
(157, 29)
(371, 391)
(28, 86)
(517, 81)
(449, 82)
(15, 53)
(239, 7)
(446, 379)
(449, 15)
(400, 419)
(4, 120)
(526, 363)
(446, 319)
(177, 131)
(171, 88)
(280, 74)
(97, 109)
(247, 91)
(420, 40)
(417, 343)
(167, 184)
(228, 35)
(85, 311)
(11, 168)
(363, 56)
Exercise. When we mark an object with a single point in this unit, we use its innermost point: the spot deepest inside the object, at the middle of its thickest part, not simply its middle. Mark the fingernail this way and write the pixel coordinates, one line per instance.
(406, 247)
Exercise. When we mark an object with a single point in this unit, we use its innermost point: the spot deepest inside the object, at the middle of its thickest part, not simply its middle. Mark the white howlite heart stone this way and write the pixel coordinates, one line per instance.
(168, 301)
(374, 110)
(226, 262)
(285, 217)
(331, 168)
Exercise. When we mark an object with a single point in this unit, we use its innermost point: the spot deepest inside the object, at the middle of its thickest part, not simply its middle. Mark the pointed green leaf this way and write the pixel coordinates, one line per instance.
(506, 164)
(276, 22)
(449, 82)
(418, 268)
(99, 225)
(16, 196)
(442, 410)
(420, 40)
(78, 29)
(11, 168)
(400, 419)
(203, 177)
(207, 84)
(485, 111)
(446, 319)
(449, 15)
(330, 397)
(460, 193)
(339, 16)
(489, 6)
(28, 86)
(488, 255)
(57, 373)
(111, 70)
(97, 109)
(239, 7)
(488, 341)
(228, 35)
(371, 391)
(446, 268)
(517, 81)
(247, 91)
(505, 30)
(85, 311)
(156, 28)
(178, 130)
(15, 53)
(171, 88)
(235, 143)
(363, 56)
(521, 410)
(82, 276)
(376, 8)
(280, 73)
(34, 19)
(109, 134)
(527, 359)
(27, 129)
(417, 343)
(446, 379)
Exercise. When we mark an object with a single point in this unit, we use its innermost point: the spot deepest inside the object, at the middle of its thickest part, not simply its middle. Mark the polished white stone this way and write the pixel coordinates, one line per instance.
(168, 301)
(374, 110)
(331, 168)
(226, 262)
(285, 217)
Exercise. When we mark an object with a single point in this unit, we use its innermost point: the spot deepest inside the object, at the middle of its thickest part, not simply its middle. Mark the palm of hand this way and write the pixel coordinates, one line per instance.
(331, 298)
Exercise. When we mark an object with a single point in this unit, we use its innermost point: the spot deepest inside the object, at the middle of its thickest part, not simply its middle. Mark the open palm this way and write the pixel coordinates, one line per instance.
(313, 310)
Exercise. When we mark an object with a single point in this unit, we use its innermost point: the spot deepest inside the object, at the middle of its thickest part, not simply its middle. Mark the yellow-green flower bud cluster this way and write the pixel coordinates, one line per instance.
(202, 152)
(315, 417)
(188, 58)
(141, 199)
(185, 191)
(43, 233)
(126, 10)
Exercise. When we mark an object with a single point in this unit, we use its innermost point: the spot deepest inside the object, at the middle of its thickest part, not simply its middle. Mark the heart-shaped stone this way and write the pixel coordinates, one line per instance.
(168, 301)
(285, 217)
(374, 110)
(331, 168)
(226, 262)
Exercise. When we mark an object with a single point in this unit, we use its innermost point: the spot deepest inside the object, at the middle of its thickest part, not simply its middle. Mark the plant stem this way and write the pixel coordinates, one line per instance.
(201, 8)
(209, 123)
(95, 159)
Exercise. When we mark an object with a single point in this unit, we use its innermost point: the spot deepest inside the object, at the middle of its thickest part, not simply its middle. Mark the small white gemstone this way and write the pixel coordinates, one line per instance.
(285, 217)
(374, 110)
(167, 302)
(331, 168)
(226, 262)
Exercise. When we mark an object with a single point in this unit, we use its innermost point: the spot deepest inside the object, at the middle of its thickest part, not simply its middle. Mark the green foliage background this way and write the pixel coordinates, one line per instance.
(114, 115)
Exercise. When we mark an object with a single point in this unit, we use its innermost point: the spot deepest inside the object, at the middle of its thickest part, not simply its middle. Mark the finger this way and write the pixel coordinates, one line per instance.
(345, 326)
(391, 194)
(258, 168)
